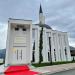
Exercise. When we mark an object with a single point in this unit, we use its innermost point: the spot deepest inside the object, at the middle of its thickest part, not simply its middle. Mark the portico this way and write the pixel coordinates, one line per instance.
(19, 49)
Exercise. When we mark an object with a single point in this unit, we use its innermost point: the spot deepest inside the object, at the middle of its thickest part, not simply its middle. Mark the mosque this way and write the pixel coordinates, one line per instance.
(55, 43)
(23, 42)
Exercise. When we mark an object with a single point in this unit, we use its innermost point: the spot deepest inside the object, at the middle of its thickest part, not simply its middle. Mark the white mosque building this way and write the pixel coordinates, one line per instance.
(23, 40)
(55, 43)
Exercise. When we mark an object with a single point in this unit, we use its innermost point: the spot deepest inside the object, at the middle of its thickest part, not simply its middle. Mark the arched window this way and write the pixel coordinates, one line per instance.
(33, 45)
(48, 56)
(65, 53)
(55, 54)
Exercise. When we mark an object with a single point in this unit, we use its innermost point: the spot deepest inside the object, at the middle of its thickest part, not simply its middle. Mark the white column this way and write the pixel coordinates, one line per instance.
(37, 45)
(52, 47)
(58, 48)
(63, 49)
(44, 51)
(61, 52)
(68, 48)
(46, 45)
(7, 46)
(55, 45)
(31, 43)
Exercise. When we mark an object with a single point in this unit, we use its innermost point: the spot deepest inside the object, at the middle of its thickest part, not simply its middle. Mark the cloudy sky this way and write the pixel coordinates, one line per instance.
(59, 14)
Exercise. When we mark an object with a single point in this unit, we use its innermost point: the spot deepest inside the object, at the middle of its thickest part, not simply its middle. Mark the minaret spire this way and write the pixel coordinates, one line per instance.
(41, 16)
(40, 11)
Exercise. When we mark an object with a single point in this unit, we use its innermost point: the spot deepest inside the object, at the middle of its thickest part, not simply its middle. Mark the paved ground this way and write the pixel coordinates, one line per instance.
(55, 68)
(47, 69)
(69, 72)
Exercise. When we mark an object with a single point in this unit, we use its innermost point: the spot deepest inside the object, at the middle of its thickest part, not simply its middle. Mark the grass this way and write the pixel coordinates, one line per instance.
(49, 64)
(53, 63)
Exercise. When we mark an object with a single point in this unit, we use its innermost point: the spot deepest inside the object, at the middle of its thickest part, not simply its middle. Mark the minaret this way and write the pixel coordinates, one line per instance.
(41, 16)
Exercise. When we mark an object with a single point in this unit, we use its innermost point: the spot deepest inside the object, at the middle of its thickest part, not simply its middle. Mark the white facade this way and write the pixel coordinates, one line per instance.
(19, 48)
(55, 43)
(59, 45)
(23, 42)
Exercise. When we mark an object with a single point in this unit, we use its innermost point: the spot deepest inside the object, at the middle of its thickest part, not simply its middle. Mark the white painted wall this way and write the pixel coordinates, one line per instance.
(59, 40)
(57, 43)
(19, 48)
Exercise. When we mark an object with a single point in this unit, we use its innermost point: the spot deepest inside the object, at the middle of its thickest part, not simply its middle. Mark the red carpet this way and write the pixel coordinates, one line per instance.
(19, 70)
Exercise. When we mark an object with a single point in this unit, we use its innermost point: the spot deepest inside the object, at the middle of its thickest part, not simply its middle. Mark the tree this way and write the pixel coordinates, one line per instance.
(41, 46)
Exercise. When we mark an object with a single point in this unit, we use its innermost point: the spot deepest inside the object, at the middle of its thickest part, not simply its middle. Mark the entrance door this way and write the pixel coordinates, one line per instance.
(19, 55)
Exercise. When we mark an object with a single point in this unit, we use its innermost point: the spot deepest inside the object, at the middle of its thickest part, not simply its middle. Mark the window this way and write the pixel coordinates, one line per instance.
(48, 56)
(50, 49)
(24, 29)
(20, 26)
(33, 56)
(47, 34)
(19, 54)
(33, 45)
(50, 43)
(55, 54)
(33, 53)
(16, 29)
(65, 53)
(33, 39)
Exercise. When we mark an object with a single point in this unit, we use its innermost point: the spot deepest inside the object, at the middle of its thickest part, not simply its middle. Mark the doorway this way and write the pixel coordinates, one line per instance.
(19, 55)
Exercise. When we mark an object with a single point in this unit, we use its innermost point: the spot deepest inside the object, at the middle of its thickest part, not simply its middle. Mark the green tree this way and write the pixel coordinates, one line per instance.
(41, 46)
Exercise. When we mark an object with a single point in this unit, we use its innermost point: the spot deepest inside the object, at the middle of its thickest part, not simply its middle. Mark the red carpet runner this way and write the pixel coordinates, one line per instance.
(19, 70)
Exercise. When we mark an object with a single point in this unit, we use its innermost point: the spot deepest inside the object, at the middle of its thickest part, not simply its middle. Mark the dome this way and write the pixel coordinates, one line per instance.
(44, 25)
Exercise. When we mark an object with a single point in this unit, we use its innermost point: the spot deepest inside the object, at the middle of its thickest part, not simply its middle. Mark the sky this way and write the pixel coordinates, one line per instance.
(59, 14)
